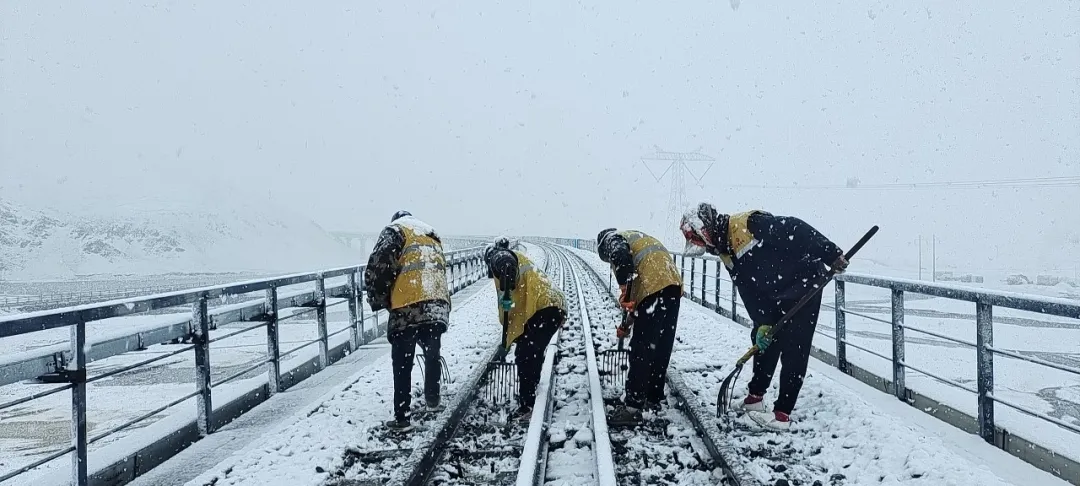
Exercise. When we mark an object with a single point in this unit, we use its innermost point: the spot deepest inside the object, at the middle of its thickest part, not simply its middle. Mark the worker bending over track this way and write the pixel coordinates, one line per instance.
(773, 261)
(651, 290)
(531, 310)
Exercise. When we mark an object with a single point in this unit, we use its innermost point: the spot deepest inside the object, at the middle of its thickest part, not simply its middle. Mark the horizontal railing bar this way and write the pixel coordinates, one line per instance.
(141, 363)
(942, 336)
(142, 417)
(337, 303)
(1060, 423)
(35, 396)
(864, 316)
(240, 331)
(339, 331)
(1034, 360)
(939, 378)
(860, 348)
(308, 310)
(298, 348)
(1043, 305)
(39, 462)
(242, 373)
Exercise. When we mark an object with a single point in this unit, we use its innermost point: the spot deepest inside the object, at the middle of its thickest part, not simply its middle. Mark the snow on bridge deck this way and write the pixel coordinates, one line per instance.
(846, 433)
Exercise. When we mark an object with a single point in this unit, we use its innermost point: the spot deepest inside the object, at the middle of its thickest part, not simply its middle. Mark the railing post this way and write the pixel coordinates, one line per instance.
(704, 275)
(320, 319)
(899, 387)
(984, 322)
(354, 336)
(692, 262)
(363, 317)
(77, 371)
(273, 349)
(841, 328)
(716, 288)
(734, 301)
(201, 321)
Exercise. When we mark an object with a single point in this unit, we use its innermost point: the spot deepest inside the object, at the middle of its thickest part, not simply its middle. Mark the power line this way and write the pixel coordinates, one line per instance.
(1063, 181)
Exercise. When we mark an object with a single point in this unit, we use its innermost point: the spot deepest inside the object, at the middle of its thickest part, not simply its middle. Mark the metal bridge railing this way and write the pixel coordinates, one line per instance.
(696, 280)
(464, 267)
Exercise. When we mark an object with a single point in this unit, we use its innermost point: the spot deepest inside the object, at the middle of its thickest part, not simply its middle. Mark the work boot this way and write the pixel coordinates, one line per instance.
(753, 403)
(777, 421)
(523, 415)
(625, 416)
(433, 406)
(399, 426)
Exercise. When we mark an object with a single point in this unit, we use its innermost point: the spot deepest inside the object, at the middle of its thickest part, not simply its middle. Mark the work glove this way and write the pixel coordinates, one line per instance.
(506, 304)
(761, 337)
(840, 265)
(628, 306)
(622, 332)
(622, 293)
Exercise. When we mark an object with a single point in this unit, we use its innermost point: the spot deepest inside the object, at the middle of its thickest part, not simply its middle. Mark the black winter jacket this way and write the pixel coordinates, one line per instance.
(379, 276)
(774, 275)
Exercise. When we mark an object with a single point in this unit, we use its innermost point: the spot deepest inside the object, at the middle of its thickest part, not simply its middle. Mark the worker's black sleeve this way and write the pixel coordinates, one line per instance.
(795, 235)
(616, 251)
(504, 266)
(382, 268)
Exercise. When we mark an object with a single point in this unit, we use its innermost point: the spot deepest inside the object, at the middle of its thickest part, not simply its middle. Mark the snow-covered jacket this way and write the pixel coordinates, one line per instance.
(784, 260)
(406, 274)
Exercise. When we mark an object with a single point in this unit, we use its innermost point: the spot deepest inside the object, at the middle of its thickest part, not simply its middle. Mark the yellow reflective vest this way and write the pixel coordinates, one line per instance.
(654, 269)
(740, 238)
(422, 270)
(533, 293)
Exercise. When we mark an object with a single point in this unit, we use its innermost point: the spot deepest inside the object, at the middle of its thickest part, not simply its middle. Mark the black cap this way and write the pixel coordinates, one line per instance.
(502, 242)
(400, 214)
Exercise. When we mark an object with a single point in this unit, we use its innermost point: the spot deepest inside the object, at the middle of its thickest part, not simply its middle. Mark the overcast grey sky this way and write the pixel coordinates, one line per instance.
(508, 117)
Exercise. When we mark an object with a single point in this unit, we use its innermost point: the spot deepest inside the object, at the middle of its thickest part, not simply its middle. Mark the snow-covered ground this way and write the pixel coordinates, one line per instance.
(841, 435)
(310, 444)
(34, 429)
(1036, 387)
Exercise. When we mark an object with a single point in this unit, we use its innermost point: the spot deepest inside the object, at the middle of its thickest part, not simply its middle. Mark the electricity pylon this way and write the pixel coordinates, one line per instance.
(679, 166)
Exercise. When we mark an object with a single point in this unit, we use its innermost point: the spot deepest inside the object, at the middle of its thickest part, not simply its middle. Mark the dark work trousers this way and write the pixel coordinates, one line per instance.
(790, 347)
(402, 352)
(655, 320)
(529, 354)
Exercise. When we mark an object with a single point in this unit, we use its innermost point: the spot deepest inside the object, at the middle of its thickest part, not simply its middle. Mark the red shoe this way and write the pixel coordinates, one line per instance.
(778, 421)
(754, 403)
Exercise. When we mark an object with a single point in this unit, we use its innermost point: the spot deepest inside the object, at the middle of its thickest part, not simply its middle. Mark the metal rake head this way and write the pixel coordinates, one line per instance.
(442, 362)
(501, 386)
(615, 366)
(727, 389)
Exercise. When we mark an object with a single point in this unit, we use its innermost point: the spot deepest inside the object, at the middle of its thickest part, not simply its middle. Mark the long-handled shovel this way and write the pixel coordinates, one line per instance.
(728, 385)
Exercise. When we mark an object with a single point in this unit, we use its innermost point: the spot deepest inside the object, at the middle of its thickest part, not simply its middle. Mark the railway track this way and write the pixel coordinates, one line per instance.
(567, 441)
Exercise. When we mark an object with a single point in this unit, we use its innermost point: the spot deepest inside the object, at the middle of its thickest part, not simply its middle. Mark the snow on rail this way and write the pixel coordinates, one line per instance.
(605, 464)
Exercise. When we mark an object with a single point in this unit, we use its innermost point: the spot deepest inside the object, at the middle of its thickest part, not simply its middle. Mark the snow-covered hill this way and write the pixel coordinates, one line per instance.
(50, 244)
